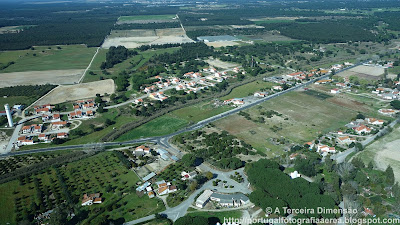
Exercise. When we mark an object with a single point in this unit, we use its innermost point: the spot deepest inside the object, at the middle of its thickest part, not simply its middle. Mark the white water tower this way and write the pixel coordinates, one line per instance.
(9, 116)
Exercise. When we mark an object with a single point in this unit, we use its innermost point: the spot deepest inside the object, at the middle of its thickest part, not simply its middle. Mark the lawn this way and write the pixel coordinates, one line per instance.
(68, 57)
(161, 126)
(198, 112)
(102, 173)
(303, 118)
(147, 17)
(248, 89)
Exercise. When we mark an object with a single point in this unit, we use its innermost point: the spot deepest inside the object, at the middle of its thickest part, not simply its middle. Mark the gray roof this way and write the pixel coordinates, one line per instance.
(230, 197)
(149, 176)
(217, 38)
(174, 158)
(204, 197)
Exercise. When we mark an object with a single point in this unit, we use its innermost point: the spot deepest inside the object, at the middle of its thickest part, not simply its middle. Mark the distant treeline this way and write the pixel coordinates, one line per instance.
(212, 19)
(163, 46)
(67, 23)
(188, 51)
(193, 34)
(132, 26)
(26, 90)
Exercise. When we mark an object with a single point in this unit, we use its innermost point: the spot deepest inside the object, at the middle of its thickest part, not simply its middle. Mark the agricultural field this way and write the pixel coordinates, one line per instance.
(57, 77)
(43, 58)
(384, 152)
(102, 173)
(78, 91)
(296, 116)
(135, 38)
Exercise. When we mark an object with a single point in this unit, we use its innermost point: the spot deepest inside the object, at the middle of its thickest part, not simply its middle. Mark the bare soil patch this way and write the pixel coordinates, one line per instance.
(57, 77)
(137, 38)
(220, 64)
(364, 72)
(78, 91)
(354, 105)
(221, 44)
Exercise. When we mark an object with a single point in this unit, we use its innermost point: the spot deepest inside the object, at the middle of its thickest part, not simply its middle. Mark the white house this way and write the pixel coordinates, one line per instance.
(335, 91)
(295, 175)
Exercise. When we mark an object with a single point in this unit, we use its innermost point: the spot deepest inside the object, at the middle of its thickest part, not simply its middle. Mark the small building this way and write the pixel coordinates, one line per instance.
(204, 198)
(149, 176)
(230, 200)
(362, 129)
(62, 135)
(295, 175)
(335, 91)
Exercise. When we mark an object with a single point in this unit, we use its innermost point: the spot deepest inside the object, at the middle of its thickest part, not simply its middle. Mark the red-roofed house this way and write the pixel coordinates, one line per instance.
(362, 129)
(62, 135)
(58, 124)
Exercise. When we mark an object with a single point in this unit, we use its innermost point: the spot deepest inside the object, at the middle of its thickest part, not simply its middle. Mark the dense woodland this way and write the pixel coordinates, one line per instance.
(26, 90)
(116, 55)
(188, 51)
(221, 149)
(274, 188)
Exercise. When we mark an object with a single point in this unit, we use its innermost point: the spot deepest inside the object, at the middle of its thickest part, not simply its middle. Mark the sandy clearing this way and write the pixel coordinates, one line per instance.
(40, 77)
(384, 152)
(221, 64)
(218, 44)
(365, 72)
(389, 156)
(78, 91)
(137, 38)
(134, 42)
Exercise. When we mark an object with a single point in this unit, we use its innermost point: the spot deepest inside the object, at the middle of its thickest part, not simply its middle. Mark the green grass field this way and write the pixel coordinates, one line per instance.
(147, 17)
(68, 57)
(199, 111)
(248, 89)
(161, 126)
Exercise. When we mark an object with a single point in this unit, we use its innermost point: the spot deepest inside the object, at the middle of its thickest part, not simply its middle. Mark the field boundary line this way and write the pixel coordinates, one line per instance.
(90, 64)
(41, 97)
